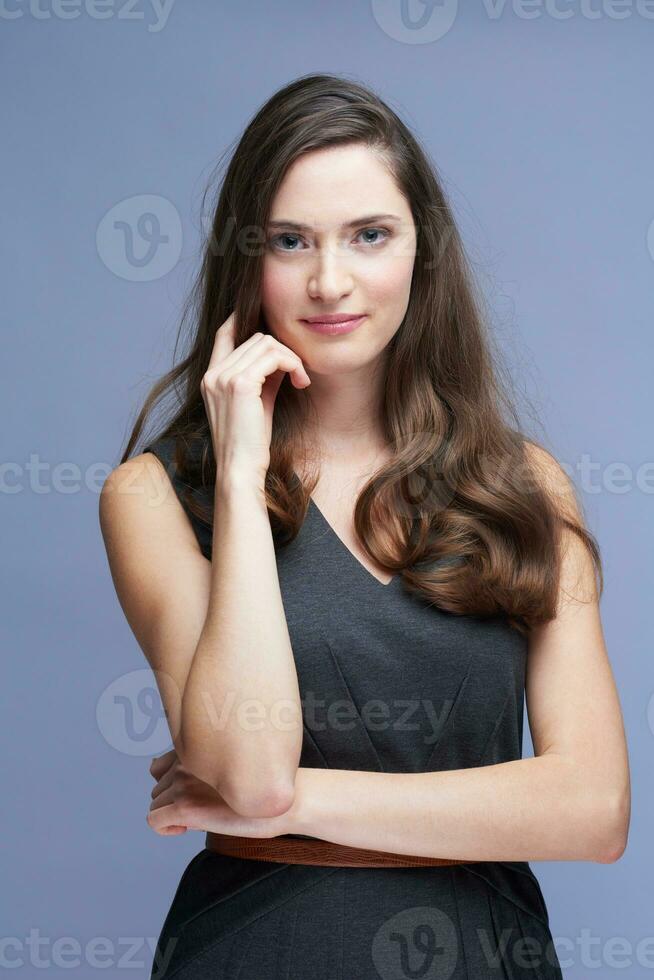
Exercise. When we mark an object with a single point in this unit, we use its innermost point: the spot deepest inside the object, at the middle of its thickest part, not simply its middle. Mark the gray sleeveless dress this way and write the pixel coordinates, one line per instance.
(388, 684)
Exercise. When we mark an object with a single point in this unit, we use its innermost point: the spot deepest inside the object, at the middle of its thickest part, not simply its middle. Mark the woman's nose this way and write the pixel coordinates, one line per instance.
(331, 276)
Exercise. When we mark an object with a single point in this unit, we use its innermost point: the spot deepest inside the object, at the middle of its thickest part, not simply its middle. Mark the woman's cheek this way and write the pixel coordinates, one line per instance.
(392, 280)
(277, 297)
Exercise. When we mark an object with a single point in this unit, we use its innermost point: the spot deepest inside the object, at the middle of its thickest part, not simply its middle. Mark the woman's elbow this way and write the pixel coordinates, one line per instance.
(617, 819)
(249, 796)
(271, 802)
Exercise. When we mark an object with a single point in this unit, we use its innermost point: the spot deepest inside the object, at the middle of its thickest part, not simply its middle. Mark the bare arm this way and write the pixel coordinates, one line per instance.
(241, 715)
(214, 633)
(525, 810)
(570, 802)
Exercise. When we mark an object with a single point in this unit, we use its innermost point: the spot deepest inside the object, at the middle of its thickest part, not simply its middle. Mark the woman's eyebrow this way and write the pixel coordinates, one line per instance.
(366, 219)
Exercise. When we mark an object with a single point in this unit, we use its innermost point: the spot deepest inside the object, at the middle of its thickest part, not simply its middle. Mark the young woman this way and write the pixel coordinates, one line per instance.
(364, 566)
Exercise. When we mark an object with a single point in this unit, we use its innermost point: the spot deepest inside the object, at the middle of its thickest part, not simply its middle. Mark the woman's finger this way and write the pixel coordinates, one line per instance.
(164, 798)
(235, 355)
(162, 764)
(259, 364)
(223, 344)
(165, 819)
(163, 783)
(161, 818)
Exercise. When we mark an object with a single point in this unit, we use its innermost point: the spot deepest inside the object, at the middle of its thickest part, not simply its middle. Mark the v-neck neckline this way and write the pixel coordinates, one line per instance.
(344, 548)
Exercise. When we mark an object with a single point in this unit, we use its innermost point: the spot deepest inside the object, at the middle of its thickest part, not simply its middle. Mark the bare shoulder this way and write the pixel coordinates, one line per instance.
(161, 577)
(153, 553)
(554, 480)
(581, 576)
(138, 498)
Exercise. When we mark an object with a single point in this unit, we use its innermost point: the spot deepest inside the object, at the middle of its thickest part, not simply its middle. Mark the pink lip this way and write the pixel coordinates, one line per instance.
(335, 323)
(334, 317)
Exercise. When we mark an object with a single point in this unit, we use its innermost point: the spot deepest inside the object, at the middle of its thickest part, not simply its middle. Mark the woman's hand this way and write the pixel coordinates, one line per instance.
(239, 389)
(181, 802)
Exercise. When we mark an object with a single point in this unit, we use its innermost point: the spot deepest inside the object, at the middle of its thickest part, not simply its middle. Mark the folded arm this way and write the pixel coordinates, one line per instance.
(571, 801)
(536, 809)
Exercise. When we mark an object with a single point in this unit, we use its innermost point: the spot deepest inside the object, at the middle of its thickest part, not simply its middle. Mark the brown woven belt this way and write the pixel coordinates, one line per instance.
(299, 849)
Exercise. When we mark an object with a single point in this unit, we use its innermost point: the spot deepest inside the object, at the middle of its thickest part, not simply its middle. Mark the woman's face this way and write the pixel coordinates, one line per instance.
(340, 239)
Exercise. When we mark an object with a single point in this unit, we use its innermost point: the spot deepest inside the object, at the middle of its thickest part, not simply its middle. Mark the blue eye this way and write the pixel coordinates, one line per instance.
(286, 236)
(375, 231)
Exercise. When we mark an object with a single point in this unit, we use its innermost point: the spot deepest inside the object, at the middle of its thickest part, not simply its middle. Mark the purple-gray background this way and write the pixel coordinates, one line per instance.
(536, 115)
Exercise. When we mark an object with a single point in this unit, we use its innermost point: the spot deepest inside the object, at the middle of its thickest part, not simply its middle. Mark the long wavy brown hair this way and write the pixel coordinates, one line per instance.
(465, 517)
